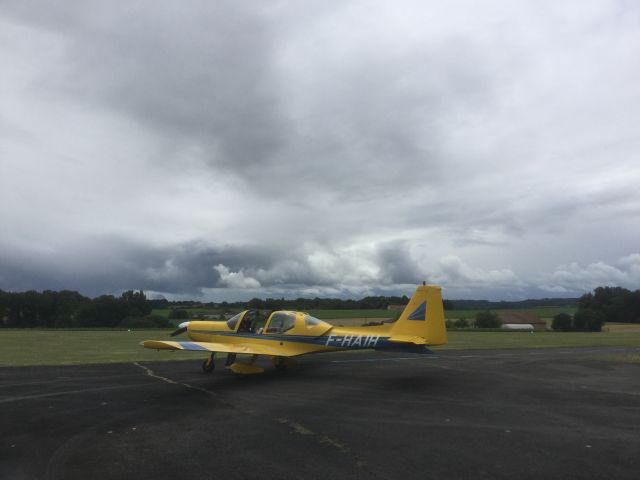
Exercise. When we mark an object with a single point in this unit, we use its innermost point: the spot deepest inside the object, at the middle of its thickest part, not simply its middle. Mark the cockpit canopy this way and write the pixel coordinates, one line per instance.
(295, 323)
(281, 322)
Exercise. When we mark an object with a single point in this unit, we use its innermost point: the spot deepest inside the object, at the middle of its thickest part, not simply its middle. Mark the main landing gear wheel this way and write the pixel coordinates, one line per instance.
(282, 363)
(208, 365)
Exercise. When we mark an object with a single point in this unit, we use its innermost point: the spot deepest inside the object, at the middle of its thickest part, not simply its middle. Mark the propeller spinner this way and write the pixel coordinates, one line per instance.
(181, 329)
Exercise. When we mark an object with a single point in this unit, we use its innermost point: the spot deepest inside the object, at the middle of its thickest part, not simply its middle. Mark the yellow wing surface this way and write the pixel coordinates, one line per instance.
(249, 349)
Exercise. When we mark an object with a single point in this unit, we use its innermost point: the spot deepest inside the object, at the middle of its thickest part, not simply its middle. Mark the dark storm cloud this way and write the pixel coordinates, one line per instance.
(113, 264)
(108, 266)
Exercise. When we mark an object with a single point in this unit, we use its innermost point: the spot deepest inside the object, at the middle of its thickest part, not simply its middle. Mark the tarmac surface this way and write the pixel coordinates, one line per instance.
(518, 414)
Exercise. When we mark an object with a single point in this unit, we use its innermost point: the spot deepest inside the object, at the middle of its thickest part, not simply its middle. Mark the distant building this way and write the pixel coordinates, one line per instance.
(521, 321)
(517, 326)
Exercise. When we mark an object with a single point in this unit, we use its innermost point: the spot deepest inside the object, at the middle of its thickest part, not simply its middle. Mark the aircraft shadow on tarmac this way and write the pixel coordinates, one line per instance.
(386, 375)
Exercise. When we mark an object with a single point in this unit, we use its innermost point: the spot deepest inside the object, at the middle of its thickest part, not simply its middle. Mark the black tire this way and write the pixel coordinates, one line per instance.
(207, 367)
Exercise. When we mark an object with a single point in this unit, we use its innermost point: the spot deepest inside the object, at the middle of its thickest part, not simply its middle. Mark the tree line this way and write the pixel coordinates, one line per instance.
(303, 304)
(300, 304)
(70, 309)
(604, 304)
(64, 309)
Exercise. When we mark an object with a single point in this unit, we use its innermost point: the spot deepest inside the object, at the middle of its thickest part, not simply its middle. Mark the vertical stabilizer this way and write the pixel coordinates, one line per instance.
(423, 317)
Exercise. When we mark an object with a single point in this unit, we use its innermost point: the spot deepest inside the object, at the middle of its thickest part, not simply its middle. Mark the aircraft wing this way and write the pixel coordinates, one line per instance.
(246, 348)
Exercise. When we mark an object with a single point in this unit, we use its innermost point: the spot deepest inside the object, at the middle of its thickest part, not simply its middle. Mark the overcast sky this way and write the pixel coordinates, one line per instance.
(226, 150)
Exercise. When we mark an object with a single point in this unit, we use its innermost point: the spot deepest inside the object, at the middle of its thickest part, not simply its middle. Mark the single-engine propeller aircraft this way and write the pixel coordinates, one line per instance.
(288, 334)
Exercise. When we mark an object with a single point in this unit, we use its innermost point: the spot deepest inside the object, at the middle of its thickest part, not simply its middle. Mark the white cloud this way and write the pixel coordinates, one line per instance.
(452, 271)
(574, 277)
(235, 279)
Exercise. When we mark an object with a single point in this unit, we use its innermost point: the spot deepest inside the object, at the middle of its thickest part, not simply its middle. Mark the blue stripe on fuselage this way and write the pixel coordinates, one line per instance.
(337, 341)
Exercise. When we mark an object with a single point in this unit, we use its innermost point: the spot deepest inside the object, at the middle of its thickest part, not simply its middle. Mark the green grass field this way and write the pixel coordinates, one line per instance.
(164, 312)
(67, 347)
(505, 340)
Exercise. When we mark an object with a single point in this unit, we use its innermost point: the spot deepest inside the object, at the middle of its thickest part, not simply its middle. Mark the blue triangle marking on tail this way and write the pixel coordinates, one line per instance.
(419, 313)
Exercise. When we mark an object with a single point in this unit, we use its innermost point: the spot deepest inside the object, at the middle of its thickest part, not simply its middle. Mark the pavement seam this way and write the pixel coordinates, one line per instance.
(68, 392)
(299, 429)
(152, 374)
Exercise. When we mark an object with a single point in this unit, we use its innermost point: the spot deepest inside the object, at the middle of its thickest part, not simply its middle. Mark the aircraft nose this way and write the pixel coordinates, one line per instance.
(181, 329)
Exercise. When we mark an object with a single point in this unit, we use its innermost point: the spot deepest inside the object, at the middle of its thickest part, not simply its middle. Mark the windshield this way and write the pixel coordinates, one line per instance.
(233, 321)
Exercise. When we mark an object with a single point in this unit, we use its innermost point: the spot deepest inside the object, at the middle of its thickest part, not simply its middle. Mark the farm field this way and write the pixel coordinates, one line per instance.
(67, 347)
(164, 312)
(621, 327)
(541, 312)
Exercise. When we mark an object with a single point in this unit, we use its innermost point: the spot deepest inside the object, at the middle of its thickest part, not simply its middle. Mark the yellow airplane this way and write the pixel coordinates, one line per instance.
(288, 334)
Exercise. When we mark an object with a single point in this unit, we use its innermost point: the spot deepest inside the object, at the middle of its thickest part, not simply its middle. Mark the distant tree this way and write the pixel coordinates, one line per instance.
(448, 304)
(255, 303)
(487, 319)
(562, 323)
(274, 304)
(159, 303)
(374, 303)
(461, 323)
(136, 303)
(611, 304)
(104, 311)
(630, 308)
(587, 320)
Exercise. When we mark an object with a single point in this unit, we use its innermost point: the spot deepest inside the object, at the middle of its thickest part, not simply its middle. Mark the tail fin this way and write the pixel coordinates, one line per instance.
(422, 320)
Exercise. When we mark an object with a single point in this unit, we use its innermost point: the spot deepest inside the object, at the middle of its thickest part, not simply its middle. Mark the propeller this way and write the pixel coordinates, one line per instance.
(181, 329)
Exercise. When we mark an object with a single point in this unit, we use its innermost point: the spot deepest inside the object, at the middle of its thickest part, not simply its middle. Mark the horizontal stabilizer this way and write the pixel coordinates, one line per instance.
(406, 348)
(408, 339)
